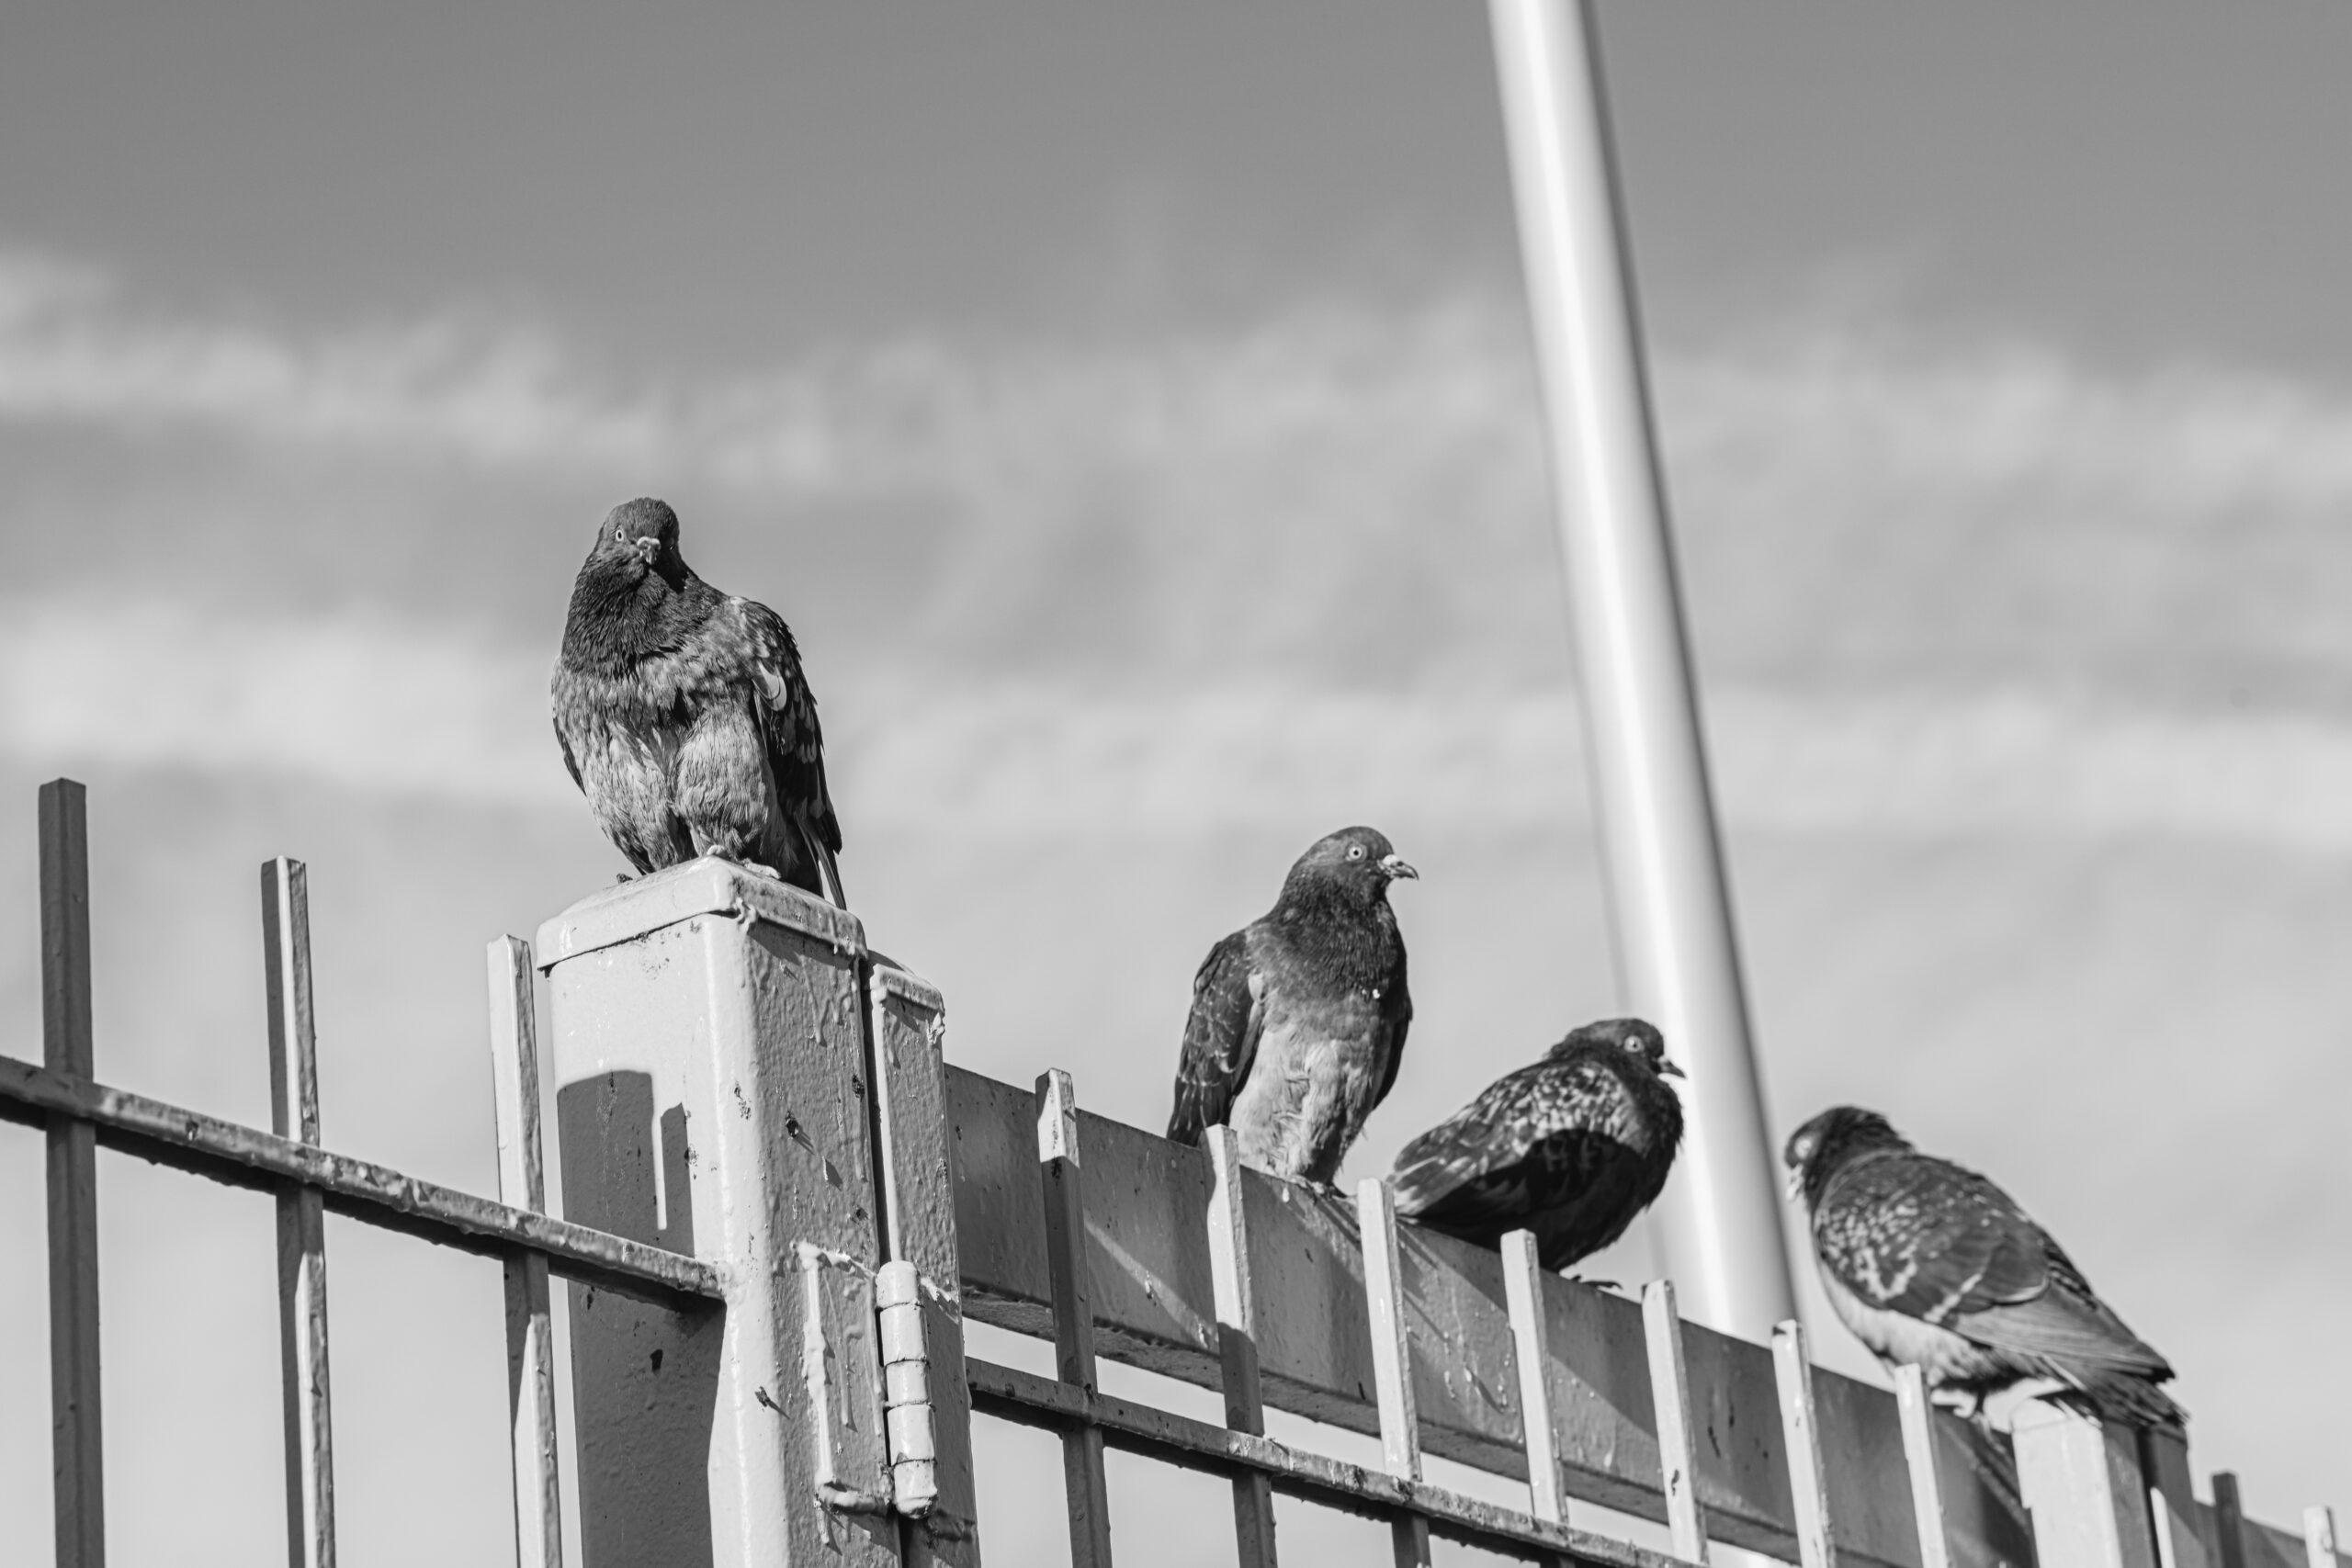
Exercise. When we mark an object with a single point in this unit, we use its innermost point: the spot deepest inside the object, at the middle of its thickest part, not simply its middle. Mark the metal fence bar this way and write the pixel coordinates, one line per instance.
(1157, 1434)
(530, 1318)
(374, 1194)
(77, 1452)
(1392, 1360)
(1235, 1290)
(1801, 1437)
(2229, 1520)
(301, 1219)
(1919, 1455)
(1678, 1457)
(2174, 1513)
(1523, 1274)
(2318, 1535)
(1065, 1203)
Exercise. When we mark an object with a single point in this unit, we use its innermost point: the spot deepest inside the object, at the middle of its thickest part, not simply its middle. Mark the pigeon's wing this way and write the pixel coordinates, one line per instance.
(1395, 1018)
(1220, 1038)
(796, 742)
(1475, 1161)
(1928, 1239)
(2066, 1324)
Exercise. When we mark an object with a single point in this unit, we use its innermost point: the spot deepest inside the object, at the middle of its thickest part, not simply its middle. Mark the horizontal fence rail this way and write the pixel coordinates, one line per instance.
(378, 1195)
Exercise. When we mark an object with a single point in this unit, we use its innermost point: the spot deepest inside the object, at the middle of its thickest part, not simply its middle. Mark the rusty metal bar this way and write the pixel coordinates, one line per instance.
(2229, 1520)
(1523, 1275)
(1063, 1194)
(1670, 1400)
(301, 1219)
(1234, 1286)
(373, 1194)
(1392, 1360)
(77, 1451)
(530, 1320)
(1142, 1429)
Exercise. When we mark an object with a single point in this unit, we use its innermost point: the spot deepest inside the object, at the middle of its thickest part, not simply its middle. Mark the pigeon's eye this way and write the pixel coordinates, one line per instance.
(1355, 852)
(620, 535)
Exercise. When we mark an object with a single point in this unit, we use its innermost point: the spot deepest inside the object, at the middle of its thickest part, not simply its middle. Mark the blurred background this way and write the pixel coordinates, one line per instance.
(1131, 409)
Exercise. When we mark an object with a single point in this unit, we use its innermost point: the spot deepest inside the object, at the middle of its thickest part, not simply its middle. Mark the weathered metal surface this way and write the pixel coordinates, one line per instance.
(1531, 1337)
(1157, 1434)
(1801, 1434)
(1062, 1204)
(907, 1026)
(1234, 1287)
(77, 1447)
(1670, 1401)
(530, 1325)
(851, 1453)
(1392, 1360)
(301, 1220)
(376, 1195)
(1919, 1458)
(708, 1043)
(2082, 1480)
(2318, 1535)
(1153, 1305)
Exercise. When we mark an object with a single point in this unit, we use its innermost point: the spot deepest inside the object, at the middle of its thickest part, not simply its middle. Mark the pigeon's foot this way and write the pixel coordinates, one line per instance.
(623, 878)
(720, 851)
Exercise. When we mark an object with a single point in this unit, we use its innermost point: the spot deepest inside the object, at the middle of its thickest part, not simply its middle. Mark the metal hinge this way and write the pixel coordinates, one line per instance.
(869, 1385)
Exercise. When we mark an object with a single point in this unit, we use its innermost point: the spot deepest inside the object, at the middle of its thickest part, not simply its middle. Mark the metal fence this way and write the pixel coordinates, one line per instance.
(782, 1205)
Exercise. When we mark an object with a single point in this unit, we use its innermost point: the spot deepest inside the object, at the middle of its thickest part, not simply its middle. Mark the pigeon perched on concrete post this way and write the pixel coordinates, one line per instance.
(1571, 1148)
(1935, 1266)
(683, 716)
(1298, 1019)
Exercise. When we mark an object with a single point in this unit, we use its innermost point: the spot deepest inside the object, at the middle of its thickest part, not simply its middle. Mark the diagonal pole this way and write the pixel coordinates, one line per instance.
(1677, 963)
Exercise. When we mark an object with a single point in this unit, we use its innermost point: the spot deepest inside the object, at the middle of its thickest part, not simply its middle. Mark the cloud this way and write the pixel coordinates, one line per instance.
(383, 708)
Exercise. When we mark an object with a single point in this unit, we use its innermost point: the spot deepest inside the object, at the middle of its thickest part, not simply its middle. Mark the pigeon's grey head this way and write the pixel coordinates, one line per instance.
(1816, 1150)
(1360, 859)
(644, 530)
(1636, 1036)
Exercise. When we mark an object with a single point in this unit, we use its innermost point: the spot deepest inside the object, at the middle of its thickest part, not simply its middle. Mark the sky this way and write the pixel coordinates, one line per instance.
(1131, 410)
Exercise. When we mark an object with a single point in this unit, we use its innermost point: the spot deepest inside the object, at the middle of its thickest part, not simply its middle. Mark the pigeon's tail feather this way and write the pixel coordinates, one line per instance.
(2134, 1401)
(829, 869)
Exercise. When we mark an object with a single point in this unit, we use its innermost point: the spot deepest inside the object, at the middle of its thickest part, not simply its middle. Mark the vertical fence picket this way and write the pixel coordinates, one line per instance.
(1234, 1288)
(1392, 1363)
(77, 1450)
(1670, 1396)
(530, 1328)
(1523, 1275)
(1801, 1434)
(1065, 1200)
(301, 1219)
(2173, 1510)
(2318, 1535)
(2229, 1521)
(1919, 1456)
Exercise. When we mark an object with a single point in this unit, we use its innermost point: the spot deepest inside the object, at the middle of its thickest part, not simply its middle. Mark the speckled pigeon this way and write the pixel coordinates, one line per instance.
(1932, 1266)
(1298, 1019)
(683, 716)
(1571, 1148)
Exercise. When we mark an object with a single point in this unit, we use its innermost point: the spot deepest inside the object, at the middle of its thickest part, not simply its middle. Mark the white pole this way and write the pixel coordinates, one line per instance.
(1677, 961)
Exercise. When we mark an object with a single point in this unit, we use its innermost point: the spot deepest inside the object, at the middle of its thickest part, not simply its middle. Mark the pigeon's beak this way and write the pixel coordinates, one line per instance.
(646, 547)
(1394, 868)
(1670, 1070)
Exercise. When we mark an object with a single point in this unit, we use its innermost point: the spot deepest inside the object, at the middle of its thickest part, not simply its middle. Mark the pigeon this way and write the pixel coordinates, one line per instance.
(683, 716)
(1571, 1148)
(1298, 1019)
(1933, 1266)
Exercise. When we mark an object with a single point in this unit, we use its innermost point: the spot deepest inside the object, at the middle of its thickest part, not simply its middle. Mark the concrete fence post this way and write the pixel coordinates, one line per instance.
(717, 1095)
